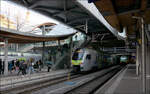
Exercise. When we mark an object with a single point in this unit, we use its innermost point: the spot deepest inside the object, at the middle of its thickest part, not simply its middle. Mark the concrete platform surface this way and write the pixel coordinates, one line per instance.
(11, 81)
(125, 82)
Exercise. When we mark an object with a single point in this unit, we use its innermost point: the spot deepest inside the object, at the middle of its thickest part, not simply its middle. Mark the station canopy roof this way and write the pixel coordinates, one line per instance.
(118, 13)
(70, 13)
(20, 24)
(123, 13)
(73, 14)
(14, 36)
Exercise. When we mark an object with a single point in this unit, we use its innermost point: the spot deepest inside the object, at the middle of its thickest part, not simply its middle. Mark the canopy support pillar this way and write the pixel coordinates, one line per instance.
(6, 57)
(143, 58)
(43, 48)
(86, 26)
(137, 59)
(71, 44)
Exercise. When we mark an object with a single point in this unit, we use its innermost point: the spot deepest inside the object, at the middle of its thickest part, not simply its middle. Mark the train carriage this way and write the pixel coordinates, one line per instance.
(88, 59)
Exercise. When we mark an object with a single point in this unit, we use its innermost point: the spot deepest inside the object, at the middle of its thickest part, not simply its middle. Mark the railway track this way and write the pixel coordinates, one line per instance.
(91, 86)
(82, 89)
(82, 85)
(26, 89)
(33, 88)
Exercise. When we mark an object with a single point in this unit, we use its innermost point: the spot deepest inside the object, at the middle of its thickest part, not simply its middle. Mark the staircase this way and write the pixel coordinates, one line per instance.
(61, 60)
(81, 44)
(26, 48)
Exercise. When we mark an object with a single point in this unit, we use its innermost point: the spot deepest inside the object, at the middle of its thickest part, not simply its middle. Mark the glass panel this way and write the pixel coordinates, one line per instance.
(77, 56)
(22, 19)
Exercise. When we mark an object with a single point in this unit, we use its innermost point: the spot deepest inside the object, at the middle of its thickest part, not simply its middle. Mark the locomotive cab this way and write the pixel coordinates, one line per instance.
(77, 60)
(84, 60)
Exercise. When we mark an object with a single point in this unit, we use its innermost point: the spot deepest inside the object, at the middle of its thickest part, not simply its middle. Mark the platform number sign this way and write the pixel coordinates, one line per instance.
(91, 1)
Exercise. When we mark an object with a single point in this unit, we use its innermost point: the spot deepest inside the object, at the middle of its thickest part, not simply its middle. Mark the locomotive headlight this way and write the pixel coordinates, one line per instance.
(72, 63)
(81, 64)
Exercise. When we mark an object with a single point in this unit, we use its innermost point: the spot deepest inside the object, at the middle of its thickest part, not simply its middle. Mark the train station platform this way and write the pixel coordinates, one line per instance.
(15, 73)
(8, 82)
(125, 82)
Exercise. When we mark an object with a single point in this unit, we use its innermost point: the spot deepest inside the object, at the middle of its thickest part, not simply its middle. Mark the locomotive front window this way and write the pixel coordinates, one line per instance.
(77, 56)
(88, 57)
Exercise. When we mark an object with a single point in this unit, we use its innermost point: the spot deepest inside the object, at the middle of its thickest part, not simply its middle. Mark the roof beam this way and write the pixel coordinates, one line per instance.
(77, 12)
(48, 13)
(128, 12)
(64, 11)
(79, 20)
(14, 35)
(60, 11)
(35, 3)
(143, 5)
(131, 11)
(26, 2)
(143, 8)
(48, 8)
(97, 30)
(107, 6)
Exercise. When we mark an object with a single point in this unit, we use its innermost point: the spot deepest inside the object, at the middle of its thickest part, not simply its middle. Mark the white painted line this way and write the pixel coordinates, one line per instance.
(148, 76)
(115, 84)
(131, 78)
(29, 79)
(85, 80)
(107, 84)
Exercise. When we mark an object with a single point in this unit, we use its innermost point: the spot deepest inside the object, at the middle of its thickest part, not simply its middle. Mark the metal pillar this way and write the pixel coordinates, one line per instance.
(59, 47)
(86, 26)
(58, 43)
(137, 60)
(146, 63)
(71, 44)
(147, 58)
(6, 57)
(147, 32)
(140, 60)
(17, 47)
(43, 48)
(65, 9)
(115, 50)
(148, 69)
(143, 59)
